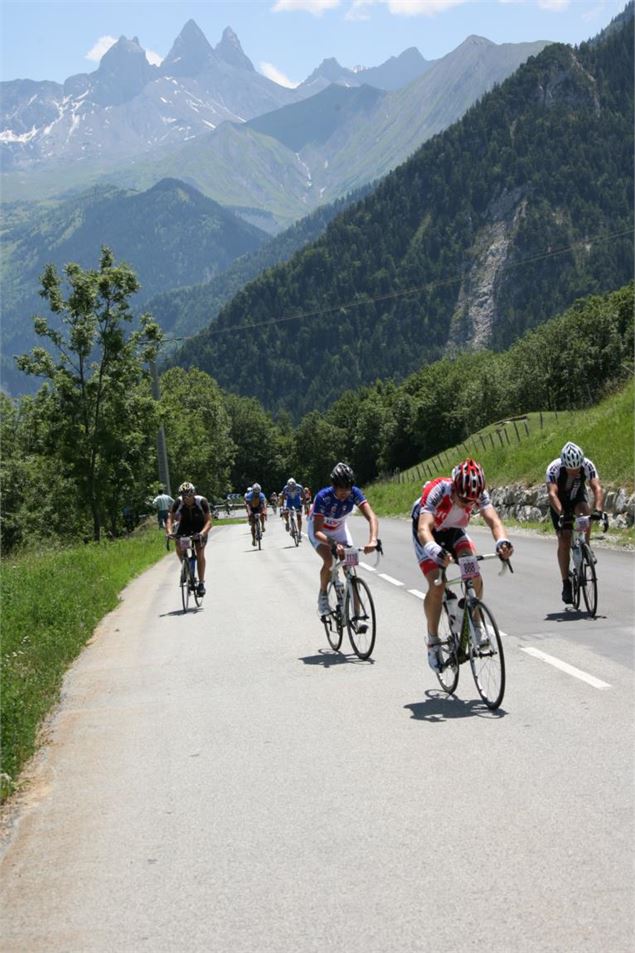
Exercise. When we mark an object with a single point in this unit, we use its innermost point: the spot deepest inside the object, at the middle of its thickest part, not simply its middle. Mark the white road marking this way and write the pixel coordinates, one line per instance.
(395, 582)
(415, 592)
(565, 667)
(367, 567)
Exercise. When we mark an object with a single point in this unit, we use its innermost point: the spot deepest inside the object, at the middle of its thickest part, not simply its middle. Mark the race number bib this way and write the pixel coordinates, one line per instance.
(351, 557)
(184, 543)
(469, 567)
(582, 523)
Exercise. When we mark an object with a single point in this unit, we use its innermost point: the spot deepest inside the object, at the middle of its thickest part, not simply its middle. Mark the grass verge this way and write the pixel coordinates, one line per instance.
(51, 602)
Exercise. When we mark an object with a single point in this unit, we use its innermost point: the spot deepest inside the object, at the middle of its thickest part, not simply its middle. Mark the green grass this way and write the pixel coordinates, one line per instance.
(51, 602)
(605, 432)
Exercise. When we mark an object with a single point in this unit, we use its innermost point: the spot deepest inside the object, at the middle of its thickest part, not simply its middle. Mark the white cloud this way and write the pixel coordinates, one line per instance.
(102, 46)
(421, 8)
(154, 58)
(316, 7)
(556, 5)
(273, 73)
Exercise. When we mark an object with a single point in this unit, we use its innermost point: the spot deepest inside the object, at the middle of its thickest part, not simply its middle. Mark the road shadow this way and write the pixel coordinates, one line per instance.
(572, 615)
(193, 611)
(439, 707)
(327, 658)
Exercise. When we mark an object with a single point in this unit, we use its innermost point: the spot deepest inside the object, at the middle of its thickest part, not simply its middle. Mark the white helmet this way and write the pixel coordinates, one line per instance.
(256, 488)
(572, 456)
(291, 482)
(249, 489)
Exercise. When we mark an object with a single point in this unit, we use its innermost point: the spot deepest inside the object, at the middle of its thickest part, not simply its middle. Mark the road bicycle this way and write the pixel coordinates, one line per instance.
(187, 572)
(257, 530)
(583, 575)
(294, 532)
(459, 641)
(350, 604)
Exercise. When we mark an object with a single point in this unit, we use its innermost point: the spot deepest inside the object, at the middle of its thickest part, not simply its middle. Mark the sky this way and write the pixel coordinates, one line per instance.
(285, 39)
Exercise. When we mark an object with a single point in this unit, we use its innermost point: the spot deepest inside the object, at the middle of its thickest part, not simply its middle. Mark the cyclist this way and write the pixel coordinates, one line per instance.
(292, 499)
(194, 518)
(273, 500)
(256, 504)
(327, 523)
(567, 477)
(307, 497)
(439, 520)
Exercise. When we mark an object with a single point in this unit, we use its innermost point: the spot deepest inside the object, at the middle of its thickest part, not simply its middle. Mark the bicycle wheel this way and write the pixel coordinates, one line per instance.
(296, 534)
(588, 581)
(259, 535)
(185, 583)
(359, 613)
(488, 663)
(448, 675)
(333, 622)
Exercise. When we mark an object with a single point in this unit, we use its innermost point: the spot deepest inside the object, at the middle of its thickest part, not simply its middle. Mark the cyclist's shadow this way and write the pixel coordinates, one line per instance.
(572, 615)
(326, 658)
(440, 707)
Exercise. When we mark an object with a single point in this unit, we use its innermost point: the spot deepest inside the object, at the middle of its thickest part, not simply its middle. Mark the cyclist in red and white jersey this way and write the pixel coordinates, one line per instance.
(439, 522)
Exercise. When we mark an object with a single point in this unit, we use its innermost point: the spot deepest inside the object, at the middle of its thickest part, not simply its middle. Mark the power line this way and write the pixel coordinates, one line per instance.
(418, 289)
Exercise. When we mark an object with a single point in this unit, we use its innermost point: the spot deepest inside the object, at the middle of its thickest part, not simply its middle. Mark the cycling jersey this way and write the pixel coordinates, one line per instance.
(436, 499)
(292, 498)
(255, 501)
(191, 519)
(335, 511)
(570, 484)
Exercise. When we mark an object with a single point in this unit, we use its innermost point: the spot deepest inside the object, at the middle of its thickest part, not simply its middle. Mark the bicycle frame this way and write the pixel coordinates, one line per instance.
(583, 575)
(352, 606)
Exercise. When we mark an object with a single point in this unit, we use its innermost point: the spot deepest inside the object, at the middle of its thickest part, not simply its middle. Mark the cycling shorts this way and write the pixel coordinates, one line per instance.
(455, 541)
(295, 504)
(340, 534)
(569, 505)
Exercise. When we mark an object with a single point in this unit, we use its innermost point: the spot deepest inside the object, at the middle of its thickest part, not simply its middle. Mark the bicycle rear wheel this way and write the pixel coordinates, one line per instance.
(448, 675)
(295, 533)
(359, 613)
(333, 622)
(488, 662)
(575, 587)
(588, 581)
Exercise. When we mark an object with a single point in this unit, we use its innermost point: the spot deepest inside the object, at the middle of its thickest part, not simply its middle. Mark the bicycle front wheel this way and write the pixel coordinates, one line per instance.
(448, 673)
(487, 659)
(333, 622)
(185, 584)
(588, 581)
(359, 612)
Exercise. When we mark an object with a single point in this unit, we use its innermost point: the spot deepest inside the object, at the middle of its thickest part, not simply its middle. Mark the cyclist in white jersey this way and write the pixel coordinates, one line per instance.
(567, 479)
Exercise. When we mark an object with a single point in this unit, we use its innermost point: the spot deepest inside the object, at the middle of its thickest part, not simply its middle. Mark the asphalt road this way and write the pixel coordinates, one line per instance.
(223, 781)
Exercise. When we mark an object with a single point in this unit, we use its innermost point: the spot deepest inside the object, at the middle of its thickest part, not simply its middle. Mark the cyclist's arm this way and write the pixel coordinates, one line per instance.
(598, 493)
(169, 523)
(554, 499)
(367, 511)
(208, 520)
(495, 523)
(318, 532)
(425, 525)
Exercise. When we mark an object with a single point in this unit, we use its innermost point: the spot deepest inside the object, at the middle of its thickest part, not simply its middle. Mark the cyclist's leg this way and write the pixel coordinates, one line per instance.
(200, 558)
(285, 515)
(324, 552)
(252, 526)
(299, 515)
(564, 551)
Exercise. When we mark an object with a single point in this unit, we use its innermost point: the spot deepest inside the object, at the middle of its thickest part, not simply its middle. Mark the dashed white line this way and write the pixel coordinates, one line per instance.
(395, 582)
(367, 567)
(565, 667)
(417, 593)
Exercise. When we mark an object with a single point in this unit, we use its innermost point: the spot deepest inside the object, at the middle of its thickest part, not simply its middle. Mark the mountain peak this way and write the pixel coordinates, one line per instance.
(122, 73)
(230, 51)
(190, 52)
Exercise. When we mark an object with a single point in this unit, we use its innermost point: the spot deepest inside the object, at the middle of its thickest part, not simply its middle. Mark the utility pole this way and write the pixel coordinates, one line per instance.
(162, 454)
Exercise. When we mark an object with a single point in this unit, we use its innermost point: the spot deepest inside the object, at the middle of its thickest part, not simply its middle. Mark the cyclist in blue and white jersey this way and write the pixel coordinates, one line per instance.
(292, 499)
(256, 505)
(567, 478)
(327, 523)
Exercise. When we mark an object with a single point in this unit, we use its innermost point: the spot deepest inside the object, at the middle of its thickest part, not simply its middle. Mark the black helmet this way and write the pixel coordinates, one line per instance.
(342, 475)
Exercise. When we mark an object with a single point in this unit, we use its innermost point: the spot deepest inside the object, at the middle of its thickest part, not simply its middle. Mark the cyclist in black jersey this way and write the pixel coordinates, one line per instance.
(567, 479)
(192, 515)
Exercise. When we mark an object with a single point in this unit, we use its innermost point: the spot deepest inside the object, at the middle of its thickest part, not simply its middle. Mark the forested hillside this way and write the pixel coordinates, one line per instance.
(170, 235)
(491, 228)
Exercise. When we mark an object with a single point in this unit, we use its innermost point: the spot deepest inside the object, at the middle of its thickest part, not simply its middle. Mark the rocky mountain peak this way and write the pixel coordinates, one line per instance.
(122, 74)
(230, 51)
(190, 52)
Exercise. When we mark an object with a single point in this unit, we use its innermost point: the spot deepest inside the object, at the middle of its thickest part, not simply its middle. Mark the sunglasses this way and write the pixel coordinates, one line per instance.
(465, 500)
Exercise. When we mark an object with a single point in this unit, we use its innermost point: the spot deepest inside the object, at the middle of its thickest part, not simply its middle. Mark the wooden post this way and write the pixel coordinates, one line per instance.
(526, 422)
(500, 437)
(516, 429)
(491, 437)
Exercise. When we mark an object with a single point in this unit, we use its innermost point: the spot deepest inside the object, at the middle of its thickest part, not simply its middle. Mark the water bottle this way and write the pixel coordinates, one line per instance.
(193, 566)
(339, 588)
(576, 552)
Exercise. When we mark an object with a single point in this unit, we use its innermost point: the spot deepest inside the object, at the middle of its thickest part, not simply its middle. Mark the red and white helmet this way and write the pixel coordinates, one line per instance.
(468, 479)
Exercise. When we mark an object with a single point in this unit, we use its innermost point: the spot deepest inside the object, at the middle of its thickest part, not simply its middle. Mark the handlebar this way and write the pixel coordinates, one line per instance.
(569, 521)
(506, 566)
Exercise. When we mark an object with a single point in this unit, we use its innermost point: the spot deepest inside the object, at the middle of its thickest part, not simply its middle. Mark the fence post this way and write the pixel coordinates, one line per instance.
(526, 426)
(507, 437)
(491, 437)
(500, 437)
(516, 429)
(541, 420)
